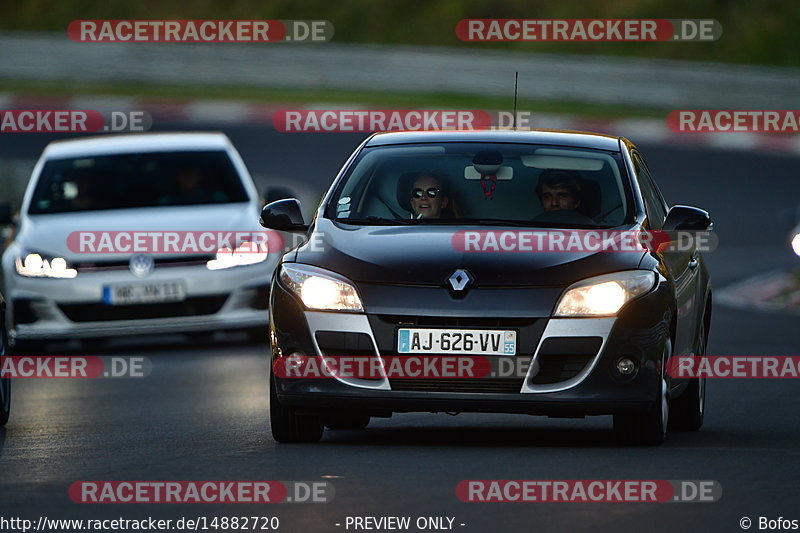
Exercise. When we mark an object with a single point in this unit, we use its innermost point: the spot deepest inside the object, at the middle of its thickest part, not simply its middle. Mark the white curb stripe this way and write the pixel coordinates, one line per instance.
(235, 112)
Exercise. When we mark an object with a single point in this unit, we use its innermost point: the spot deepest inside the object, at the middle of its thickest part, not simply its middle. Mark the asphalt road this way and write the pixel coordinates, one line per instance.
(202, 412)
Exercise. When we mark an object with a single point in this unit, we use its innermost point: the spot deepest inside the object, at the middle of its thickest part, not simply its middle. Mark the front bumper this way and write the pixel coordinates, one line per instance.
(51, 309)
(595, 388)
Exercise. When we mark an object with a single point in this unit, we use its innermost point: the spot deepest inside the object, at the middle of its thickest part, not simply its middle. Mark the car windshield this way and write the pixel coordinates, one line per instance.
(484, 183)
(136, 180)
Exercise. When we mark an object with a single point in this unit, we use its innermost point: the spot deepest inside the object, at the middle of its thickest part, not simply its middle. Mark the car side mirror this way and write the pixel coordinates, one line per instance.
(6, 216)
(684, 217)
(283, 215)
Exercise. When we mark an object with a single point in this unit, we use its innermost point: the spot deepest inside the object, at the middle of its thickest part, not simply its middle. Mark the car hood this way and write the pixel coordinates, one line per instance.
(48, 234)
(426, 255)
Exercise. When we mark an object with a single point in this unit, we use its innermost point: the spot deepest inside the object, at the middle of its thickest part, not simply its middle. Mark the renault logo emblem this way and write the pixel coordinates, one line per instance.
(141, 265)
(460, 279)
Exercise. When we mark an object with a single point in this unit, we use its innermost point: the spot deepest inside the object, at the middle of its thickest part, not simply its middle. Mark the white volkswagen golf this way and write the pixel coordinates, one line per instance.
(134, 234)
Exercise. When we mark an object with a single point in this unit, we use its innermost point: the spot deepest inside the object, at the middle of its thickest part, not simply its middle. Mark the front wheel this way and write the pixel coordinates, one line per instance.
(289, 426)
(5, 400)
(346, 420)
(27, 347)
(687, 411)
(258, 335)
(5, 383)
(649, 428)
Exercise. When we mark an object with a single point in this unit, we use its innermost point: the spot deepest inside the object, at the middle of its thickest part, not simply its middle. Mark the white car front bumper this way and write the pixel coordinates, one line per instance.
(75, 308)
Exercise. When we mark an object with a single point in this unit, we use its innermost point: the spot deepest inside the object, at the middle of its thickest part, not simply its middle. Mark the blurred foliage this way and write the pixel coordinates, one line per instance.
(761, 32)
(301, 96)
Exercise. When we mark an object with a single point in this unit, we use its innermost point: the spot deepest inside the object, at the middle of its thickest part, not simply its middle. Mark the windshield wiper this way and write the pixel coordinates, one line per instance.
(501, 222)
(377, 221)
(382, 221)
(530, 224)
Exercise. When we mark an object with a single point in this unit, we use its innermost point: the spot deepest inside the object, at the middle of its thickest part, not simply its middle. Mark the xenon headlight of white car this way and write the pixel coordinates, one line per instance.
(320, 289)
(247, 253)
(604, 295)
(33, 265)
(796, 243)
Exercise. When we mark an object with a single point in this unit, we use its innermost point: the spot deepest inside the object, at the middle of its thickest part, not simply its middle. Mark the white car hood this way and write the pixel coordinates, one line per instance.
(48, 234)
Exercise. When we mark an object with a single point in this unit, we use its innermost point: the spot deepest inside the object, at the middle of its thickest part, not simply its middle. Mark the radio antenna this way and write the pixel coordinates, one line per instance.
(516, 79)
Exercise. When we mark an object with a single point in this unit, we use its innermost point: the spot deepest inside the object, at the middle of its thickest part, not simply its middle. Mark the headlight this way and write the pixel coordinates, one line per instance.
(247, 253)
(34, 266)
(320, 289)
(796, 244)
(604, 295)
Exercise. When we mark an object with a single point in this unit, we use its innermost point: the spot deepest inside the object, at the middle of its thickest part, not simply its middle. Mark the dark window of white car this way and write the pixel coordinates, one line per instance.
(484, 183)
(122, 181)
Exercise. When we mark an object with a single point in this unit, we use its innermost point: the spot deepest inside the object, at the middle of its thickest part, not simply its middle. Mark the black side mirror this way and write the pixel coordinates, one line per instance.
(684, 217)
(6, 217)
(273, 194)
(283, 215)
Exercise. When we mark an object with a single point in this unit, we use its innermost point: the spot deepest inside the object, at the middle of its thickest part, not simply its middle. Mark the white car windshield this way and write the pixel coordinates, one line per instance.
(136, 180)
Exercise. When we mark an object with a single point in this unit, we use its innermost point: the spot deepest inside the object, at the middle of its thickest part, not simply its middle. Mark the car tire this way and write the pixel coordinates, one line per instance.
(289, 426)
(258, 335)
(29, 348)
(202, 338)
(5, 383)
(687, 411)
(94, 345)
(5, 400)
(346, 420)
(649, 428)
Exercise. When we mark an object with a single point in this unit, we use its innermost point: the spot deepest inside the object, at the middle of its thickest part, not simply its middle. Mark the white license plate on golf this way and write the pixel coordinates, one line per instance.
(457, 341)
(171, 291)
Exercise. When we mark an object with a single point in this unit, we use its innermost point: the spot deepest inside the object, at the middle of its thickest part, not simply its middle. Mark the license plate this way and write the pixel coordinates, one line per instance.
(457, 341)
(172, 291)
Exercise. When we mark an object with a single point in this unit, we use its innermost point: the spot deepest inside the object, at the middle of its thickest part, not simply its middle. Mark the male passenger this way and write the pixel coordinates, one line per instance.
(559, 190)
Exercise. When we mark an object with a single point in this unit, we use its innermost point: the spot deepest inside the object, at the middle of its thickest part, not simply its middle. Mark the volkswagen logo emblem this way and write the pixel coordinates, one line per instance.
(141, 265)
(459, 280)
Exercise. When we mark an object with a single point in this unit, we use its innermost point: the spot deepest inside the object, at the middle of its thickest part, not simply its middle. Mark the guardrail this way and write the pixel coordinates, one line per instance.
(459, 70)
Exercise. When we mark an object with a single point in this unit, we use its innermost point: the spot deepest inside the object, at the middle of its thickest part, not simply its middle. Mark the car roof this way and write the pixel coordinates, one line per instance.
(577, 139)
(134, 143)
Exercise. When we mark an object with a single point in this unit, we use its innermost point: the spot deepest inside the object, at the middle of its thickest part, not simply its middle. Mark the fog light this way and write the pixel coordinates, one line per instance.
(296, 359)
(625, 366)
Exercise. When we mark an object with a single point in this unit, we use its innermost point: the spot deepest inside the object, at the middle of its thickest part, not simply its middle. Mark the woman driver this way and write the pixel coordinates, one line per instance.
(428, 197)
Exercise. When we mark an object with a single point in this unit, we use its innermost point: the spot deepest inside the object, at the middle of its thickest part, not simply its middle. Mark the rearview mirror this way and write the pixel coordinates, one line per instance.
(684, 217)
(283, 215)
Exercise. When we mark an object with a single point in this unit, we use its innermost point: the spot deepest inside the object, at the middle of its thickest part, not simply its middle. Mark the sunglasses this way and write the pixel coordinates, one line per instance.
(432, 192)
